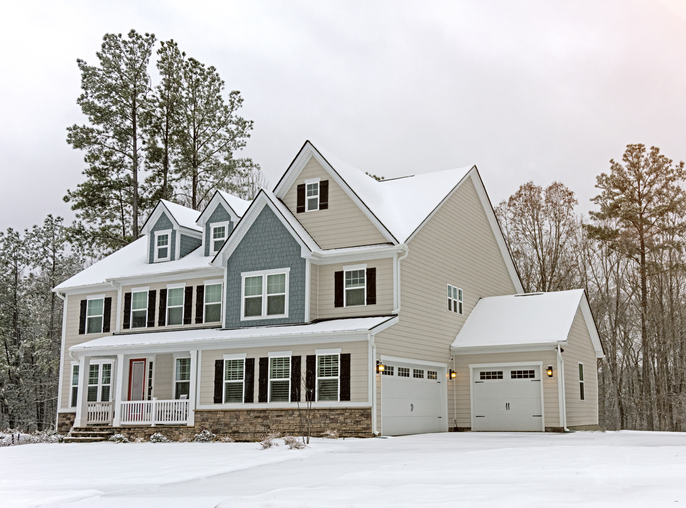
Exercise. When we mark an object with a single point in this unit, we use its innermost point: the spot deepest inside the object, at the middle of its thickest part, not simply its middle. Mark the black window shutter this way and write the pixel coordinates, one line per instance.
(338, 289)
(310, 377)
(323, 194)
(199, 302)
(188, 306)
(152, 300)
(345, 376)
(218, 381)
(249, 380)
(127, 311)
(82, 317)
(371, 286)
(295, 379)
(300, 208)
(263, 380)
(107, 315)
(162, 318)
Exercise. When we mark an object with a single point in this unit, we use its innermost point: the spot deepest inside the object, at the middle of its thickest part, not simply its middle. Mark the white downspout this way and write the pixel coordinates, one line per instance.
(561, 389)
(397, 276)
(372, 380)
(118, 287)
(62, 344)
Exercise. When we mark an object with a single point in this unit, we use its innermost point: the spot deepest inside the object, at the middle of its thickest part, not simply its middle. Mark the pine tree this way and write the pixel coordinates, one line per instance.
(115, 101)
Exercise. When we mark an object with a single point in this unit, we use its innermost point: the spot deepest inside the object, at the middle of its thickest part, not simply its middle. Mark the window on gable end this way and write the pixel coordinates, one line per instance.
(455, 299)
(312, 195)
(162, 246)
(265, 294)
(219, 233)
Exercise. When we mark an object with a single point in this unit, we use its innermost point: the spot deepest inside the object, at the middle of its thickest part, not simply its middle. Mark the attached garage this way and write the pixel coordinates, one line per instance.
(507, 397)
(413, 398)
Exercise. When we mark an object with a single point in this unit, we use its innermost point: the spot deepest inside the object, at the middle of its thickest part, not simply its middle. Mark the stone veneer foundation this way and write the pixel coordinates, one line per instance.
(252, 424)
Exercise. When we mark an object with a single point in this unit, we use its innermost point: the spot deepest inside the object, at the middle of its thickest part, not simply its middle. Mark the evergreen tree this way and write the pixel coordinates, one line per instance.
(115, 100)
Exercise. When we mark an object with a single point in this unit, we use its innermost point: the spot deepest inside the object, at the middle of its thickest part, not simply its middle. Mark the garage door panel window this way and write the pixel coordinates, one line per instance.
(327, 377)
(491, 374)
(418, 373)
(388, 371)
(403, 372)
(431, 374)
(523, 374)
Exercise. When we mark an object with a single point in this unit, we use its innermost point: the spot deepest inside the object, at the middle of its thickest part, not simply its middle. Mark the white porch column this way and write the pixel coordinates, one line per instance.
(192, 390)
(118, 390)
(82, 396)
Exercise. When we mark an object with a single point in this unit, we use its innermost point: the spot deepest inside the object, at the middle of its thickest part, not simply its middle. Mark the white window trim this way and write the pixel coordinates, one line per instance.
(147, 299)
(319, 196)
(73, 401)
(224, 381)
(214, 225)
(345, 292)
(183, 303)
(180, 356)
(338, 378)
(264, 274)
(457, 304)
(100, 363)
(156, 258)
(582, 381)
(220, 283)
(269, 377)
(102, 316)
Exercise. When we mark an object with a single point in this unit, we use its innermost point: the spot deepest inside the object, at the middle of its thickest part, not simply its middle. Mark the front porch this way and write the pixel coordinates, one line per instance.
(121, 390)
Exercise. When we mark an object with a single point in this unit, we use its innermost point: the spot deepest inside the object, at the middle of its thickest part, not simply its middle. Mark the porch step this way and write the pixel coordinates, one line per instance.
(89, 435)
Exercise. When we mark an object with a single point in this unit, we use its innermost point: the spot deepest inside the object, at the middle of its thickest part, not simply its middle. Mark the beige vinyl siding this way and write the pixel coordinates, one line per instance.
(456, 246)
(72, 337)
(358, 367)
(343, 224)
(384, 291)
(163, 285)
(314, 291)
(579, 348)
(164, 377)
(459, 403)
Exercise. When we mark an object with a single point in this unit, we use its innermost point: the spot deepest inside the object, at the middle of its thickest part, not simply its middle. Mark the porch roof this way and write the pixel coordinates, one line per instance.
(335, 330)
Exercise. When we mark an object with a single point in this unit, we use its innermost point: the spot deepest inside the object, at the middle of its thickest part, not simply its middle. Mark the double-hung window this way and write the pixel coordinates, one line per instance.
(175, 305)
(265, 294)
(213, 303)
(182, 378)
(99, 382)
(74, 384)
(219, 233)
(162, 245)
(328, 377)
(279, 379)
(234, 369)
(582, 391)
(139, 309)
(355, 286)
(454, 299)
(94, 314)
(312, 194)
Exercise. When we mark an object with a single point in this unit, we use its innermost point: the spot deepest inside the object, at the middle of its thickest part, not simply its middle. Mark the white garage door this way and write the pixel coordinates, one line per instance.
(507, 398)
(412, 399)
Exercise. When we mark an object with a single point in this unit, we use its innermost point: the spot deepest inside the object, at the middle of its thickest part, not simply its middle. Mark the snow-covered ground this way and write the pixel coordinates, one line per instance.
(462, 469)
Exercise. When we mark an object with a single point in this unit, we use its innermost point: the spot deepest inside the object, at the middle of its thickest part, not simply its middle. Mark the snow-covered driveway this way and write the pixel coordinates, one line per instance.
(462, 469)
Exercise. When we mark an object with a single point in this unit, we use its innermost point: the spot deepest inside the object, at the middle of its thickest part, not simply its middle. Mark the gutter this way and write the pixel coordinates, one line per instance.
(561, 389)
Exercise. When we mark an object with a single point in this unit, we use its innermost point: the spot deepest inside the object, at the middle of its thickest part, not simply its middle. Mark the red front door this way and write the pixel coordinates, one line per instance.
(137, 379)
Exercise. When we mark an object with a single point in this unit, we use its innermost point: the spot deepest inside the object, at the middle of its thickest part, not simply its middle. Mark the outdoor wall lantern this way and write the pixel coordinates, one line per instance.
(453, 374)
(380, 367)
(550, 371)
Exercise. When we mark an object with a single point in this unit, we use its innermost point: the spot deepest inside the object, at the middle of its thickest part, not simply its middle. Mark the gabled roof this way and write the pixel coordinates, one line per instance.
(181, 216)
(235, 206)
(531, 319)
(265, 198)
(132, 261)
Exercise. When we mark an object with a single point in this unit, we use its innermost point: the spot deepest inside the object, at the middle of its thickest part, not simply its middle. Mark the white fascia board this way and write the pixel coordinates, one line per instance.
(306, 153)
(154, 217)
(383, 326)
(592, 329)
(190, 232)
(514, 348)
(193, 273)
(352, 255)
(91, 288)
(213, 344)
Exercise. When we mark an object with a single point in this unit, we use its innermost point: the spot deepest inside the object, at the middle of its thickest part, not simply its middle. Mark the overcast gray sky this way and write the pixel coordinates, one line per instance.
(529, 90)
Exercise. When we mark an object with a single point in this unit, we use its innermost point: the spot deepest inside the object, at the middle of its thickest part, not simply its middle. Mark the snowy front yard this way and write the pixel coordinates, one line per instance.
(463, 469)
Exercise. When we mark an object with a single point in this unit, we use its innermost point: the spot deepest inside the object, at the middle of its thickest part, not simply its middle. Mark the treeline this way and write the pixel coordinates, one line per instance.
(629, 257)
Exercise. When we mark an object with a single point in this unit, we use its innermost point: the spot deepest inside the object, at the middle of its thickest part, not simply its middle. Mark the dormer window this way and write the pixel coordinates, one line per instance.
(162, 246)
(219, 232)
(312, 190)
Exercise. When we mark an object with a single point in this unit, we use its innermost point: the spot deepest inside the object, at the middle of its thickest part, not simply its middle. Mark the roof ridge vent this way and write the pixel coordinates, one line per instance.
(530, 294)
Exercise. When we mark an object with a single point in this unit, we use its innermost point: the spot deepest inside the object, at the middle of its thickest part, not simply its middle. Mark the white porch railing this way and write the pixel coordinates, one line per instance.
(100, 412)
(152, 412)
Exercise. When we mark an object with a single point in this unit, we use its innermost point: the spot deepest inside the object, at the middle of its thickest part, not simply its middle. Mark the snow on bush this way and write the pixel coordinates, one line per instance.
(10, 438)
(118, 438)
(157, 437)
(330, 434)
(293, 443)
(205, 437)
(268, 440)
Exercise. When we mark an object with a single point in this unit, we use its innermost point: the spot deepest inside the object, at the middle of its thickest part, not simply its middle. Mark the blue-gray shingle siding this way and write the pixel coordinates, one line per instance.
(162, 223)
(219, 215)
(267, 245)
(189, 244)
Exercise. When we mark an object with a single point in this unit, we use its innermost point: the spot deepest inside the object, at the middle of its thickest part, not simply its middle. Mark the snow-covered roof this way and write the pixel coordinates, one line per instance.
(132, 261)
(240, 206)
(525, 319)
(185, 217)
(256, 336)
(388, 200)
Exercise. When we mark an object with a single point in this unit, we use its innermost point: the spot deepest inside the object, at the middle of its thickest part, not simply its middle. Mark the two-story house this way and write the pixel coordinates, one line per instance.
(388, 307)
